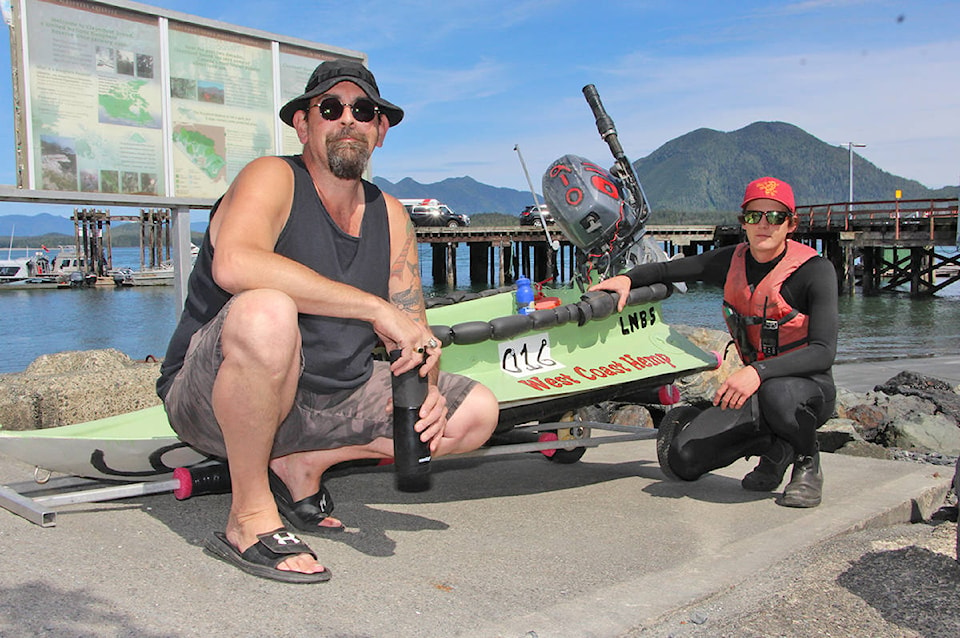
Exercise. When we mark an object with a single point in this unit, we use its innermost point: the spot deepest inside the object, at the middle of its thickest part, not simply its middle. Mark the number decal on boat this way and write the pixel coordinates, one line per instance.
(527, 355)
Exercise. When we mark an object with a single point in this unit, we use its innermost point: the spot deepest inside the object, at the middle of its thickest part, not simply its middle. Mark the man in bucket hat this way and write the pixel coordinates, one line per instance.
(780, 304)
(304, 268)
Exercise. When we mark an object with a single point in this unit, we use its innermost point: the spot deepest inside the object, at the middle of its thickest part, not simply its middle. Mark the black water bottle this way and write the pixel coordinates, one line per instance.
(411, 456)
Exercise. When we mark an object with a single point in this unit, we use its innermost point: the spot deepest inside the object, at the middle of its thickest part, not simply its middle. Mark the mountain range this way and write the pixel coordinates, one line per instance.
(706, 171)
(700, 175)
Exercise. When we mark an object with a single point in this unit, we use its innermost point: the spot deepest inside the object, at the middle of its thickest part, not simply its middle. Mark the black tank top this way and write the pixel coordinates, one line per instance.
(337, 352)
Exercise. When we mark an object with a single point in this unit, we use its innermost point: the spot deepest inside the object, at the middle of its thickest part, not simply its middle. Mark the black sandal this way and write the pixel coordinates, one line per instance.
(261, 558)
(307, 513)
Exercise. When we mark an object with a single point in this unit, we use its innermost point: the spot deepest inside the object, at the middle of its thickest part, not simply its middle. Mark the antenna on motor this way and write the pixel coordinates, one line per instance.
(554, 244)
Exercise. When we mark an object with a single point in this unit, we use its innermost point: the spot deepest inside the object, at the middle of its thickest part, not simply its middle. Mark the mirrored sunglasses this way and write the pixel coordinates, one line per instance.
(364, 110)
(774, 217)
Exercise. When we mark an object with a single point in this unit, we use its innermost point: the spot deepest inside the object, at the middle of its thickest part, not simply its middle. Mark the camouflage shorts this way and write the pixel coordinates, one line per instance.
(316, 421)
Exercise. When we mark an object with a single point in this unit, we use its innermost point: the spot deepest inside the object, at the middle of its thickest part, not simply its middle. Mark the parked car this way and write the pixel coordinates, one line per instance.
(530, 216)
(430, 212)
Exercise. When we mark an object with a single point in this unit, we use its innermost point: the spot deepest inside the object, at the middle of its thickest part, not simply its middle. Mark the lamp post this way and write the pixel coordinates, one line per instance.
(850, 147)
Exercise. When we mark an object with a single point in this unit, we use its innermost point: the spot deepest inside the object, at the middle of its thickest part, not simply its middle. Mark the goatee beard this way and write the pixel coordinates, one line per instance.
(347, 158)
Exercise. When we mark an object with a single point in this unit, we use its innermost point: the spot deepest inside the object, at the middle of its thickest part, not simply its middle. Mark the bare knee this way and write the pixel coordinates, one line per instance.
(474, 421)
(262, 331)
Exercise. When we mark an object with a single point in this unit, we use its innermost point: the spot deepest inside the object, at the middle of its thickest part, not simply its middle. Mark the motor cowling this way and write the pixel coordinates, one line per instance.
(587, 202)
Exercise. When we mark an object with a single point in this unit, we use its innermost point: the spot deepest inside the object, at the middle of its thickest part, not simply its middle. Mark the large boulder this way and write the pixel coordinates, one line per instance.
(926, 432)
(701, 387)
(74, 387)
(936, 391)
(836, 433)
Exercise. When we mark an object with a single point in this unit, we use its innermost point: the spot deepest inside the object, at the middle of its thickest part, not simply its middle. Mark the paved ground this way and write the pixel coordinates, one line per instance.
(515, 547)
(896, 581)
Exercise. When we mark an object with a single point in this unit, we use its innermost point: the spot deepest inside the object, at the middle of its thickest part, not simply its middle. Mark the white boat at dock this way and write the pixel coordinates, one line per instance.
(26, 266)
(15, 269)
(159, 276)
(65, 270)
(29, 270)
(162, 275)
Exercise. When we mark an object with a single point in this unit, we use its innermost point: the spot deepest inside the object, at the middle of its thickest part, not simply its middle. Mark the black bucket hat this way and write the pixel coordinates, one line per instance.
(332, 72)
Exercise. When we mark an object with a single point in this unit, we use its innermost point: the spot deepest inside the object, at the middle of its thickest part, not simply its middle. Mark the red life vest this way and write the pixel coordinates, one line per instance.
(761, 321)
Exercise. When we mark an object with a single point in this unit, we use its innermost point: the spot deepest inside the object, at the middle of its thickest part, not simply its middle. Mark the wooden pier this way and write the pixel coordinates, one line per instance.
(93, 242)
(500, 254)
(895, 242)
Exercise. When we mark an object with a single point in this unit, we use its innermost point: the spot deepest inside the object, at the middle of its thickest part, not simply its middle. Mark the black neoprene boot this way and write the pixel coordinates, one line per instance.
(769, 472)
(806, 483)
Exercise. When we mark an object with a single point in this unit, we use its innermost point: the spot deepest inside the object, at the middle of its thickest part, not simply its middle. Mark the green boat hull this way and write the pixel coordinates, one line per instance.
(135, 445)
(633, 345)
(536, 374)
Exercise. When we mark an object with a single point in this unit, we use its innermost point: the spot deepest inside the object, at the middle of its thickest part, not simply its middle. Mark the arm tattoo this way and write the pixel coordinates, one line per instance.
(406, 259)
(411, 299)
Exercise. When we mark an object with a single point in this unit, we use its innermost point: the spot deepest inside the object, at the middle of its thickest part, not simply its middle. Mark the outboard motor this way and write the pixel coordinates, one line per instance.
(602, 212)
(588, 204)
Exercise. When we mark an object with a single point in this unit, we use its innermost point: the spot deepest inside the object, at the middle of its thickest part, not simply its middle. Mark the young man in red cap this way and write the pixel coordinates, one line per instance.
(305, 267)
(780, 304)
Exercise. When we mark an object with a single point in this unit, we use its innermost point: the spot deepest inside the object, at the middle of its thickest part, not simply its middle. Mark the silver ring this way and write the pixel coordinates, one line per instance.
(432, 343)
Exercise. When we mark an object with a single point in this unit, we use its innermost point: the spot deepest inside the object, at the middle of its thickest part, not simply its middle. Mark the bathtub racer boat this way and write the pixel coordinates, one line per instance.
(575, 350)
(540, 366)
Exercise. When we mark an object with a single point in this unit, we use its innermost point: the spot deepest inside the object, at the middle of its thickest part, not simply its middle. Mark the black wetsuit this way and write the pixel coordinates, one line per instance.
(796, 394)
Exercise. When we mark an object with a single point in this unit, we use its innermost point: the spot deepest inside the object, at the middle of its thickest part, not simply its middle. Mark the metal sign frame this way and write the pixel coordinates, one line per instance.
(119, 97)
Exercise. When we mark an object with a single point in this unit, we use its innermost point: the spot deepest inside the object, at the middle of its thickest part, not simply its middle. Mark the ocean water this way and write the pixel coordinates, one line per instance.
(887, 326)
(139, 321)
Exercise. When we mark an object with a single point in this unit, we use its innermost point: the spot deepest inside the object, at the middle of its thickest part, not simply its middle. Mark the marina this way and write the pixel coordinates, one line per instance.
(67, 270)
(57, 268)
(908, 250)
(912, 311)
(89, 262)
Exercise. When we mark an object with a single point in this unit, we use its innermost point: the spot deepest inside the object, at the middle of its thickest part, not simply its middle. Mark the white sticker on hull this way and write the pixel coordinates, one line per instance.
(527, 355)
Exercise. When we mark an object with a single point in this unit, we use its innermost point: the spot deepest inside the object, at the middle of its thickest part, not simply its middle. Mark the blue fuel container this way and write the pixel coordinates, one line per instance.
(525, 296)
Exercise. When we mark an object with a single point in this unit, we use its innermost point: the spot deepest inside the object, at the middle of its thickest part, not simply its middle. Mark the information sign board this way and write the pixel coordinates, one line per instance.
(120, 97)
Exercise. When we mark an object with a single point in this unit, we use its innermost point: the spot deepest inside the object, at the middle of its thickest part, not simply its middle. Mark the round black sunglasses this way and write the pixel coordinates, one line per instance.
(331, 108)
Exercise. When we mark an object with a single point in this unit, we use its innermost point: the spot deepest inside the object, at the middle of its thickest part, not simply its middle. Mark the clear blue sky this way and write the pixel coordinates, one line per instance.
(478, 78)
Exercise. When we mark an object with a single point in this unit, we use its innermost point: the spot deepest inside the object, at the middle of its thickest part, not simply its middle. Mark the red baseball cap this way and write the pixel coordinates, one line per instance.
(770, 188)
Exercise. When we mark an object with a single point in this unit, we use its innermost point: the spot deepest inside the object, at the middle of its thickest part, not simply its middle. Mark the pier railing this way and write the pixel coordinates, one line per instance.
(925, 219)
(679, 234)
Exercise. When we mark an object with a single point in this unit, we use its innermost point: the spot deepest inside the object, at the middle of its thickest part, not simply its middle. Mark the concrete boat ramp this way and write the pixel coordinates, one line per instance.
(513, 546)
